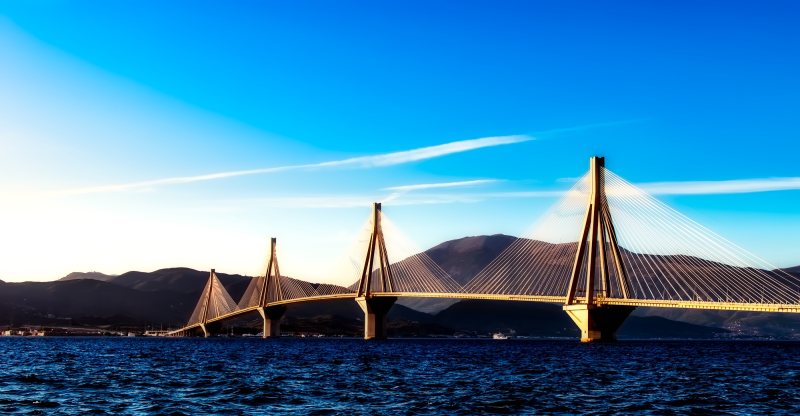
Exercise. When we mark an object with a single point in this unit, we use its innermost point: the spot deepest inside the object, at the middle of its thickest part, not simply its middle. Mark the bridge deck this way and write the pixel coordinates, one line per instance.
(681, 304)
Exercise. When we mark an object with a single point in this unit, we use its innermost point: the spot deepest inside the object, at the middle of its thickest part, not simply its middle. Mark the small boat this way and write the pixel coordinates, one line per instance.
(499, 335)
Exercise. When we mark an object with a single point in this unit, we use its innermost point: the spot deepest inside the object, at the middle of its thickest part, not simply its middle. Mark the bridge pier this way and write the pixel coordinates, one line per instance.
(272, 320)
(375, 311)
(598, 322)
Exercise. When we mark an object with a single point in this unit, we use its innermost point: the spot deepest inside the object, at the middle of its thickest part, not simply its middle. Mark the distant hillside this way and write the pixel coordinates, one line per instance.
(344, 317)
(465, 257)
(163, 297)
(758, 324)
(549, 320)
(168, 296)
(462, 259)
(180, 279)
(473, 318)
(88, 275)
(525, 318)
(77, 301)
(793, 270)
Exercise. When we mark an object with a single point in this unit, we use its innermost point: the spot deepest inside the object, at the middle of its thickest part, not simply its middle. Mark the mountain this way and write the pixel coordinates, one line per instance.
(462, 259)
(180, 279)
(739, 323)
(168, 296)
(793, 270)
(88, 275)
(524, 318)
(465, 257)
(164, 297)
(344, 317)
(76, 301)
(549, 320)
(471, 318)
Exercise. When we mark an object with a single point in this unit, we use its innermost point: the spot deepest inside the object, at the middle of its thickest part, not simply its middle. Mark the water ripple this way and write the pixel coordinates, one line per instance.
(323, 377)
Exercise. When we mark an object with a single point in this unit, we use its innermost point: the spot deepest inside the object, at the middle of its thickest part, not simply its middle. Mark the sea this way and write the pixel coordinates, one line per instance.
(320, 376)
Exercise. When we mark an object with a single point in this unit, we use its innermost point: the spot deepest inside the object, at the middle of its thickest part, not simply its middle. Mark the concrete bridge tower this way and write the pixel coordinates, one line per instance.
(375, 308)
(270, 292)
(598, 238)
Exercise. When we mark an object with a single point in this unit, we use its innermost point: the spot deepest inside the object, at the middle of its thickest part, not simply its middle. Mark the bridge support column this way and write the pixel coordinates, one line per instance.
(206, 332)
(375, 311)
(598, 323)
(272, 320)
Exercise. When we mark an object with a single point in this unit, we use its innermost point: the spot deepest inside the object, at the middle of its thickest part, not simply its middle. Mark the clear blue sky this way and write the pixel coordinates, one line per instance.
(103, 101)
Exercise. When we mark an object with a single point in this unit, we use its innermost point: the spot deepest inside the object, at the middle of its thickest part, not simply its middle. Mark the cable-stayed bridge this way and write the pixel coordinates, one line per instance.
(604, 249)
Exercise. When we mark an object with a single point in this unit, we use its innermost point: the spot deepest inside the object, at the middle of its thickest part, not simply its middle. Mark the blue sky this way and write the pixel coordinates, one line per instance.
(104, 103)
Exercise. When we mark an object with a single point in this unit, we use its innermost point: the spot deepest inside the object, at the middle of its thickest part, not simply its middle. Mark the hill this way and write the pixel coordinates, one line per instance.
(548, 320)
(462, 259)
(87, 301)
(167, 297)
(88, 275)
(164, 297)
(180, 279)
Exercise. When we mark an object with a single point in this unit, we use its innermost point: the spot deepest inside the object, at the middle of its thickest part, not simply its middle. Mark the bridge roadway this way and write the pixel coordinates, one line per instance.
(681, 304)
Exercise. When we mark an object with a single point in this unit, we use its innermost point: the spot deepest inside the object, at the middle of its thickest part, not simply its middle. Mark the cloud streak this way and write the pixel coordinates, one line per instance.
(361, 162)
(423, 153)
(347, 201)
(546, 133)
(737, 186)
(404, 195)
(372, 161)
(440, 185)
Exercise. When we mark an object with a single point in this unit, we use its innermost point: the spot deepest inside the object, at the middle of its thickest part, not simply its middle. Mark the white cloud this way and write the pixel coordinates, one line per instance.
(738, 186)
(403, 195)
(439, 185)
(371, 161)
(569, 179)
(380, 160)
(351, 201)
(422, 153)
(546, 133)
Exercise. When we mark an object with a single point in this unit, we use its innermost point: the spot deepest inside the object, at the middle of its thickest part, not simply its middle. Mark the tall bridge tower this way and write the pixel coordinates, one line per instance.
(597, 240)
(270, 292)
(380, 280)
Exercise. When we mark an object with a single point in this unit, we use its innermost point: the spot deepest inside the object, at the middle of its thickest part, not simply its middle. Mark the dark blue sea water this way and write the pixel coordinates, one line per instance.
(341, 376)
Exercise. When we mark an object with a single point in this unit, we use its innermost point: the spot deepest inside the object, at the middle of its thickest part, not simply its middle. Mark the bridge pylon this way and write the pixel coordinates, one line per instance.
(596, 321)
(204, 318)
(271, 292)
(206, 300)
(376, 308)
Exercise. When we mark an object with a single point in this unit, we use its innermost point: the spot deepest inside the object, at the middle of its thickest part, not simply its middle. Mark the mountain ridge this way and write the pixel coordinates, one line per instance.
(167, 296)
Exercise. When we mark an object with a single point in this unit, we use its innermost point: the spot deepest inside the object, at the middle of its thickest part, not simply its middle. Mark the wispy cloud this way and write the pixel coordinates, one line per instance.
(347, 201)
(371, 161)
(422, 153)
(403, 195)
(552, 132)
(569, 179)
(738, 186)
(439, 185)
(379, 160)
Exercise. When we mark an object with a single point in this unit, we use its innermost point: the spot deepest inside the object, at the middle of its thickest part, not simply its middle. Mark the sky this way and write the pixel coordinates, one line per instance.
(142, 135)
